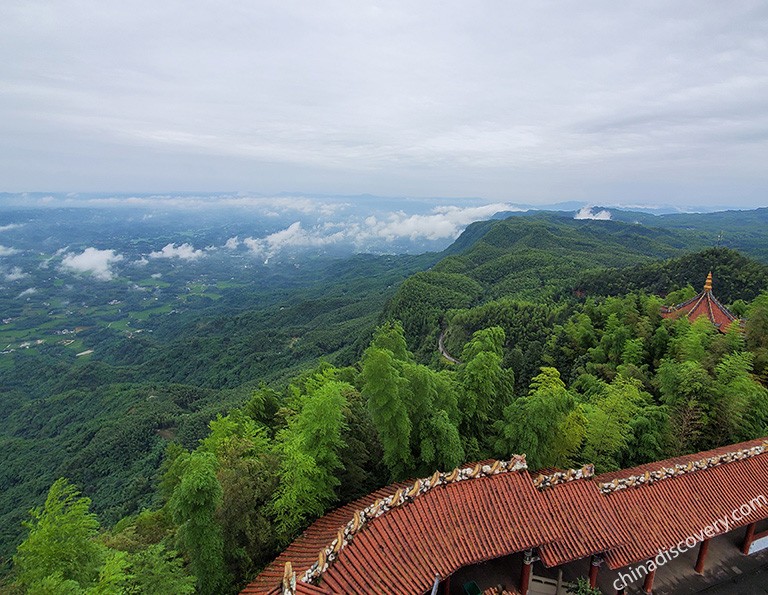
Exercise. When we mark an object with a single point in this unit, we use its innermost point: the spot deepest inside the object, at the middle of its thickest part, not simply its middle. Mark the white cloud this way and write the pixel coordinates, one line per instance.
(444, 222)
(183, 251)
(590, 213)
(232, 243)
(47, 261)
(292, 236)
(94, 261)
(142, 262)
(27, 292)
(10, 226)
(7, 251)
(15, 274)
(156, 275)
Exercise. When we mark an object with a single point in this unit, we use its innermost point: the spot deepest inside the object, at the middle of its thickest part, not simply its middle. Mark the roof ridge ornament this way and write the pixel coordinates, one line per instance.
(708, 282)
(289, 580)
(649, 477)
(542, 481)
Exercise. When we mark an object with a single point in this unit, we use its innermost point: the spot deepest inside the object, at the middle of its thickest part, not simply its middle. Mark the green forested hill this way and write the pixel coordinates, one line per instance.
(736, 277)
(557, 325)
(104, 420)
(526, 323)
(539, 258)
(526, 258)
(739, 230)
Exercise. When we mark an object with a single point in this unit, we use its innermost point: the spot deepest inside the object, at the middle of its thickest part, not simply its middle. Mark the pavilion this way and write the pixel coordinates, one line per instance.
(704, 304)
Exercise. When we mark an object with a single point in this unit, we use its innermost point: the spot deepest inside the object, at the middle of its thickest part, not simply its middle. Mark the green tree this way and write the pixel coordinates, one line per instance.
(247, 472)
(545, 425)
(159, 571)
(114, 577)
(390, 336)
(648, 436)
(609, 422)
(310, 447)
(193, 506)
(441, 446)
(383, 389)
(487, 387)
(432, 405)
(687, 390)
(757, 334)
(60, 545)
(582, 587)
(741, 410)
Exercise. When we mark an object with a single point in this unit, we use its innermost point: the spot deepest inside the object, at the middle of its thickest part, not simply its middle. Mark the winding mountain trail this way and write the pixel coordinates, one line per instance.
(443, 352)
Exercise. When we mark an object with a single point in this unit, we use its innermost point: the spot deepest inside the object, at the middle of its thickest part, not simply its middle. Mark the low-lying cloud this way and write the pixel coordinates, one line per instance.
(93, 261)
(445, 222)
(15, 274)
(7, 251)
(442, 223)
(183, 252)
(590, 213)
(291, 237)
(268, 206)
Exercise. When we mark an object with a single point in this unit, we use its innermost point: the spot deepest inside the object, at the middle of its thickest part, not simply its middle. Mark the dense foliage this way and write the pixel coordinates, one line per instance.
(623, 387)
(198, 487)
(103, 420)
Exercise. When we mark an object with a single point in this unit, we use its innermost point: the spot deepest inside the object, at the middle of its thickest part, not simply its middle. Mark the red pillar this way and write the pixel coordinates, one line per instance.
(525, 575)
(748, 538)
(593, 575)
(594, 567)
(648, 583)
(703, 549)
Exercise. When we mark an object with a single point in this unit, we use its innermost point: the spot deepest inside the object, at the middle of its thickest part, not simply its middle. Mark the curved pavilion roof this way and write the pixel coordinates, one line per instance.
(704, 304)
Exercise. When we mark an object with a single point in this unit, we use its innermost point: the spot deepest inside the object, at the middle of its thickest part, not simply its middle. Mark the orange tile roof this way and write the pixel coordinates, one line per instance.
(588, 525)
(662, 514)
(303, 551)
(626, 515)
(441, 531)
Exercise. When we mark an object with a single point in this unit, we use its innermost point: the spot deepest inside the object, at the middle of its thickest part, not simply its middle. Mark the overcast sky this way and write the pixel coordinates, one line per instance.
(632, 102)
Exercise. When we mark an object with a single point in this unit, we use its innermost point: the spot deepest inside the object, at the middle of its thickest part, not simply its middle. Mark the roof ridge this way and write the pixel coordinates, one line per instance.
(650, 477)
(361, 518)
(543, 481)
(701, 297)
(727, 312)
(681, 305)
(709, 307)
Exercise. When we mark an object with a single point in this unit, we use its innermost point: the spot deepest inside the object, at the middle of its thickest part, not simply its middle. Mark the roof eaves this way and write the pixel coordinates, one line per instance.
(361, 518)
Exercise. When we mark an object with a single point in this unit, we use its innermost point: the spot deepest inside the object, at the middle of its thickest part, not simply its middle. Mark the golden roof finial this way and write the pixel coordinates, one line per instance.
(708, 283)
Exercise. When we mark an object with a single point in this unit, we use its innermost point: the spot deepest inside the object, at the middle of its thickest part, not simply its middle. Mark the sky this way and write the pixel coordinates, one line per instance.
(644, 103)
